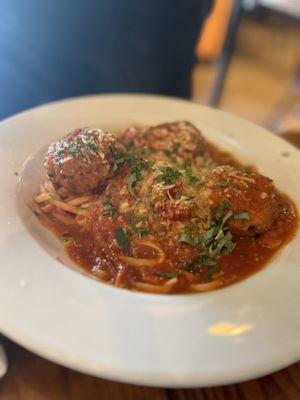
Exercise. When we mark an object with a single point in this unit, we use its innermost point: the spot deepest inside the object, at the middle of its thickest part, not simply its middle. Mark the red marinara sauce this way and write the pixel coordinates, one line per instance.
(249, 256)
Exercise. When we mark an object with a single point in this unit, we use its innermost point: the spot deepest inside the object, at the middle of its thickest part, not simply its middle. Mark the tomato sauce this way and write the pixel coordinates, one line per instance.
(249, 256)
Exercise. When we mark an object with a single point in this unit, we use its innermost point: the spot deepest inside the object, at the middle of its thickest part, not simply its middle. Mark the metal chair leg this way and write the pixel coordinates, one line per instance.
(225, 57)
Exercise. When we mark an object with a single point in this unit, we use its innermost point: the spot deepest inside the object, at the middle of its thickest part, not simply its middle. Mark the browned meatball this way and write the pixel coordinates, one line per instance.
(175, 141)
(251, 197)
(82, 160)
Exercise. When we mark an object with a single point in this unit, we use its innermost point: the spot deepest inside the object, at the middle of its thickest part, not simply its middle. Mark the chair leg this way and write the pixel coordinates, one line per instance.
(225, 57)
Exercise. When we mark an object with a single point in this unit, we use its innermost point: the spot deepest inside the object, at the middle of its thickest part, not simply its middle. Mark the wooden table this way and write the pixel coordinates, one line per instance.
(30, 377)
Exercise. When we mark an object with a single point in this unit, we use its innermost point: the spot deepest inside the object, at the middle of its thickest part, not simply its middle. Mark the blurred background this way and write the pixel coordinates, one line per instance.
(261, 75)
(242, 56)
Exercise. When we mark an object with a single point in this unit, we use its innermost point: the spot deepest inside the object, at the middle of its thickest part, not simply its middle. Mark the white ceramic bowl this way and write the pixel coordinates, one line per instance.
(240, 332)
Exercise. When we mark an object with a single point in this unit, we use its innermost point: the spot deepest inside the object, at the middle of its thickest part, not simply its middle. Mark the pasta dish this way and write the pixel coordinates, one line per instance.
(161, 209)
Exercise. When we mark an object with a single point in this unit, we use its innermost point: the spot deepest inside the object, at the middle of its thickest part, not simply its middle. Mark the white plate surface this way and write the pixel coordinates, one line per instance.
(237, 333)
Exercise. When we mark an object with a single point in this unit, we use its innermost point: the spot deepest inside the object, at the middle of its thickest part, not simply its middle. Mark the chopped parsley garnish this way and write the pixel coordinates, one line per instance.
(136, 163)
(225, 183)
(187, 238)
(166, 275)
(189, 230)
(131, 182)
(129, 145)
(58, 154)
(59, 150)
(93, 147)
(213, 268)
(142, 232)
(118, 156)
(189, 266)
(73, 149)
(242, 216)
(188, 174)
(123, 238)
(139, 231)
(169, 175)
(86, 148)
(145, 135)
(109, 208)
(173, 149)
(214, 242)
(16, 173)
(225, 204)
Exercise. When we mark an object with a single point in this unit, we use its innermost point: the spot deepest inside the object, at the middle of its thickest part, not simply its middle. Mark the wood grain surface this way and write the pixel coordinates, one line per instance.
(30, 377)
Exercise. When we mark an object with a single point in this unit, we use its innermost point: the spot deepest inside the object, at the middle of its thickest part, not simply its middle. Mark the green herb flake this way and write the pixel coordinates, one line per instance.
(190, 229)
(60, 150)
(129, 145)
(139, 231)
(176, 147)
(242, 216)
(74, 149)
(214, 242)
(136, 163)
(192, 266)
(187, 238)
(170, 152)
(225, 183)
(123, 238)
(93, 147)
(16, 173)
(131, 182)
(109, 208)
(167, 275)
(226, 217)
(188, 174)
(169, 175)
(211, 271)
(222, 207)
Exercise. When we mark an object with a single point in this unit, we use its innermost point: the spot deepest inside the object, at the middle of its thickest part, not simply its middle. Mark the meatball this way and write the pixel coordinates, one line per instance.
(175, 141)
(251, 197)
(82, 160)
